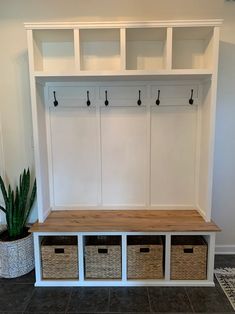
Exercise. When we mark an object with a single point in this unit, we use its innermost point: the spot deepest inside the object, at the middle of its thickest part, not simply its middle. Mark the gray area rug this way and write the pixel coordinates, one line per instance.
(226, 279)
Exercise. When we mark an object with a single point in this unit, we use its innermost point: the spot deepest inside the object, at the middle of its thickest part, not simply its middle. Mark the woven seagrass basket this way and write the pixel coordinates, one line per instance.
(144, 257)
(188, 258)
(16, 257)
(59, 257)
(103, 257)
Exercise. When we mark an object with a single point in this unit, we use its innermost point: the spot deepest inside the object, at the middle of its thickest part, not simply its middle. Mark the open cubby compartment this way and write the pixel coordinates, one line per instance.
(100, 49)
(146, 48)
(192, 48)
(53, 50)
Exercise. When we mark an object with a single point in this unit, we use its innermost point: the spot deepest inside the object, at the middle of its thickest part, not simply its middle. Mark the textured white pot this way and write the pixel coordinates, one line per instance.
(16, 257)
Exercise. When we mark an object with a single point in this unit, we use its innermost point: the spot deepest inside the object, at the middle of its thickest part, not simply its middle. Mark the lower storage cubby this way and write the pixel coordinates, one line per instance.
(103, 257)
(85, 260)
(145, 255)
(59, 256)
(188, 258)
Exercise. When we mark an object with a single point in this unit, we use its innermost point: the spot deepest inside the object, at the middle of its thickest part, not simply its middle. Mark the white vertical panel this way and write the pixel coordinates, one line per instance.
(41, 161)
(124, 146)
(205, 155)
(74, 156)
(173, 136)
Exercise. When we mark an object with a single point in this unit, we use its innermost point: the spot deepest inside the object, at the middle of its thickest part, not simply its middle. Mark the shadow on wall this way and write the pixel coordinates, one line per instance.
(24, 108)
(2, 167)
(224, 162)
(25, 156)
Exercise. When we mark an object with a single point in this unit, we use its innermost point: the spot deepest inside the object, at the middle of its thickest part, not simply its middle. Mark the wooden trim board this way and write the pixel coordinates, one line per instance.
(124, 221)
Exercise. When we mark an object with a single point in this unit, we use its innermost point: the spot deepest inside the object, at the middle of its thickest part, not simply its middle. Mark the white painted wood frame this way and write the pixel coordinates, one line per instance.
(40, 282)
(128, 60)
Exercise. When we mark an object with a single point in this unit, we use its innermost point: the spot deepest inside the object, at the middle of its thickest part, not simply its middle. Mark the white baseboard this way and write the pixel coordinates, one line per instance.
(225, 249)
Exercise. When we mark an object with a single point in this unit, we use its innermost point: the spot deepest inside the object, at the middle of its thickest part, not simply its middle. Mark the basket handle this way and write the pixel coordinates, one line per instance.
(102, 251)
(188, 250)
(144, 250)
(59, 251)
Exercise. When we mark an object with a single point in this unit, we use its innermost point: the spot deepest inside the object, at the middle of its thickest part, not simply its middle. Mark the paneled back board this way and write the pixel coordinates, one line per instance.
(125, 154)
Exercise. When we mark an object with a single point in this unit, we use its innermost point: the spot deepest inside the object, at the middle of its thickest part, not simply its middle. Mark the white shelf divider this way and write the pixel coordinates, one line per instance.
(77, 56)
(168, 48)
(123, 48)
(81, 257)
(124, 257)
(167, 256)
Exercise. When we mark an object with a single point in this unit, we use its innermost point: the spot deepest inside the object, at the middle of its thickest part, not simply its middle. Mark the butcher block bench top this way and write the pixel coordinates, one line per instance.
(124, 221)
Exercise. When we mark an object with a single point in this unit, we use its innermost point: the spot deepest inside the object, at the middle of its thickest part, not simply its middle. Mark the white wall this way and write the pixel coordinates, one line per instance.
(14, 80)
(224, 166)
(2, 165)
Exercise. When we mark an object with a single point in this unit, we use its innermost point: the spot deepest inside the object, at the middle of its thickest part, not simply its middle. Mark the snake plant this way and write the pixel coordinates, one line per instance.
(18, 204)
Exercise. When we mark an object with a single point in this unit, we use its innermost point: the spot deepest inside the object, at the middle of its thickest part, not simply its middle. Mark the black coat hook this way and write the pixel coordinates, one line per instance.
(139, 100)
(158, 98)
(55, 100)
(106, 99)
(88, 100)
(191, 98)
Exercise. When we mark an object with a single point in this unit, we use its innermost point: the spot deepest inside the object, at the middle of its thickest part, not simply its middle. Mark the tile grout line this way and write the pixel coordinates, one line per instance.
(192, 308)
(27, 303)
(109, 300)
(69, 299)
(150, 307)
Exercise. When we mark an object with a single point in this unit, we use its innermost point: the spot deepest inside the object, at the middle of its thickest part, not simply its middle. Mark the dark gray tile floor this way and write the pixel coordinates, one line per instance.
(20, 296)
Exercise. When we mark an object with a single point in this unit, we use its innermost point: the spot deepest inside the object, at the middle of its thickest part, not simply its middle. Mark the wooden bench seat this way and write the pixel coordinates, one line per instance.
(124, 221)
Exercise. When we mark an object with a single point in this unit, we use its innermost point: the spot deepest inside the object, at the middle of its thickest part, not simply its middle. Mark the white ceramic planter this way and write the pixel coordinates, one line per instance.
(16, 257)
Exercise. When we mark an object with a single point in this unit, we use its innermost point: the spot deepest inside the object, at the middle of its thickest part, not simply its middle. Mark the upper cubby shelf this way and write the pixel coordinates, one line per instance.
(192, 48)
(100, 49)
(123, 49)
(53, 50)
(146, 48)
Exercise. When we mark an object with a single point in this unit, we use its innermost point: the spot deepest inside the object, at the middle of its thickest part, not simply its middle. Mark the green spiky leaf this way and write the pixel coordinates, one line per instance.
(3, 189)
(18, 204)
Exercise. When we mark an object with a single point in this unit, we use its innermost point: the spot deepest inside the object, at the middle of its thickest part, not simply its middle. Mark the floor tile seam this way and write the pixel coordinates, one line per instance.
(27, 303)
(150, 306)
(190, 302)
(69, 299)
(109, 298)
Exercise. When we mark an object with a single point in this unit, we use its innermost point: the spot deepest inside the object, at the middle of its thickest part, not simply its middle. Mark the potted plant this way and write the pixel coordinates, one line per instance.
(16, 243)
